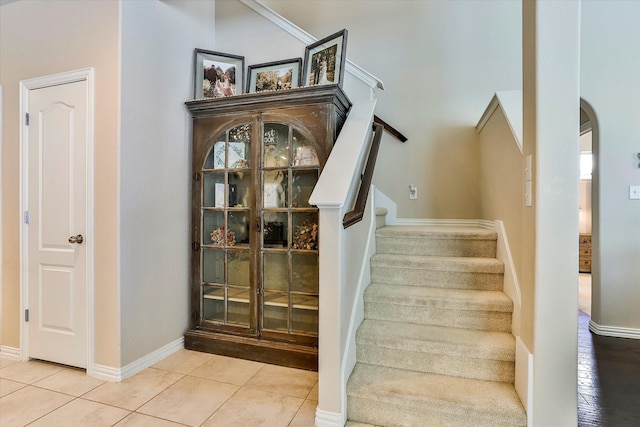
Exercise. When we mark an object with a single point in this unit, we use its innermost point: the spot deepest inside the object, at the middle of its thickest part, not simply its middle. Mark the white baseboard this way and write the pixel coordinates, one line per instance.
(524, 378)
(614, 331)
(329, 419)
(105, 373)
(10, 352)
(108, 373)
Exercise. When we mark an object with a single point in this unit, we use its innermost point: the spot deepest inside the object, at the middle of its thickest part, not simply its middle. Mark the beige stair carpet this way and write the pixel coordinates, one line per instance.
(435, 348)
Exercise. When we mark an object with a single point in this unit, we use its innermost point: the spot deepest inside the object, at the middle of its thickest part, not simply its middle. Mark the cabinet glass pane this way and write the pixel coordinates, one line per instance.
(275, 313)
(239, 155)
(215, 159)
(213, 303)
(212, 265)
(302, 185)
(275, 230)
(238, 306)
(212, 220)
(239, 189)
(276, 271)
(305, 314)
(238, 268)
(275, 145)
(304, 152)
(213, 190)
(305, 272)
(305, 230)
(276, 184)
(238, 226)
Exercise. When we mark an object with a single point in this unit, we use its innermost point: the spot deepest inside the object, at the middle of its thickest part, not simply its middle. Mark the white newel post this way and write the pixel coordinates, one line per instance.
(330, 411)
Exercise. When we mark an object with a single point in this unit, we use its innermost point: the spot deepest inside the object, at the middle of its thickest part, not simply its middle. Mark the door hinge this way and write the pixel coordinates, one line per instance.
(26, 315)
(195, 246)
(26, 119)
(27, 217)
(196, 176)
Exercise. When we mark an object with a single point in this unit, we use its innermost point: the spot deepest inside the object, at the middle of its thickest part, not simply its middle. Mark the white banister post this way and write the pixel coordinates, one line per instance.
(330, 410)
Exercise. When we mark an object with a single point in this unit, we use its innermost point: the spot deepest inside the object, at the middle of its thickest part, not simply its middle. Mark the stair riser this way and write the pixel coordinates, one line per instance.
(432, 247)
(437, 278)
(467, 319)
(457, 366)
(388, 414)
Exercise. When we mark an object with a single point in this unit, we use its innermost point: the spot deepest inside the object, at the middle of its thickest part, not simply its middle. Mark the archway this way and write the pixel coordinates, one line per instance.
(589, 124)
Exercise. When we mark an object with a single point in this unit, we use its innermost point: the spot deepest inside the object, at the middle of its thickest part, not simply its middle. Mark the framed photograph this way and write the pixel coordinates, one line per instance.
(217, 74)
(324, 60)
(277, 75)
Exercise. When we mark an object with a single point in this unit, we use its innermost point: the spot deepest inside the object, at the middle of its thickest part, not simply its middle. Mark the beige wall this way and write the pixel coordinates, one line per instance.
(610, 83)
(158, 38)
(501, 181)
(142, 54)
(440, 62)
(38, 38)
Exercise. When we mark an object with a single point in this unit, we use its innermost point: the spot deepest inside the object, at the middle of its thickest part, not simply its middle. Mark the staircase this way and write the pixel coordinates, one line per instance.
(435, 347)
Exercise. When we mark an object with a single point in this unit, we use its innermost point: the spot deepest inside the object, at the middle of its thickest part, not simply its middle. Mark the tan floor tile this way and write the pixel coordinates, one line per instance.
(4, 362)
(28, 404)
(252, 407)
(306, 416)
(141, 420)
(281, 380)
(183, 361)
(189, 401)
(8, 386)
(135, 391)
(29, 372)
(227, 370)
(83, 413)
(70, 381)
(313, 394)
(357, 424)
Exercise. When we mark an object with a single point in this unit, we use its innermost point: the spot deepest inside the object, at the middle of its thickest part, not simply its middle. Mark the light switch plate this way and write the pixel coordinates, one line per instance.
(634, 192)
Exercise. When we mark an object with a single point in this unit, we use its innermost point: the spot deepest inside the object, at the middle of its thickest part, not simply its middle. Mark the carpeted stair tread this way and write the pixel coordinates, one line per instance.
(439, 232)
(440, 263)
(461, 241)
(374, 392)
(459, 299)
(437, 339)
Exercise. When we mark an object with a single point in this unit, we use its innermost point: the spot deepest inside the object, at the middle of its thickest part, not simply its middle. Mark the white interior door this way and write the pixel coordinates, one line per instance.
(57, 223)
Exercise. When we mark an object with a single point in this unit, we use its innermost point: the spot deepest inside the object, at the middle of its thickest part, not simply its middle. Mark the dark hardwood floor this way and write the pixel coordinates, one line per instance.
(608, 379)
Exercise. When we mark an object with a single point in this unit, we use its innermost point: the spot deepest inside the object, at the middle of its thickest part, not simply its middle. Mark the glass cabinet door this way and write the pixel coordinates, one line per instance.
(225, 262)
(289, 232)
(269, 285)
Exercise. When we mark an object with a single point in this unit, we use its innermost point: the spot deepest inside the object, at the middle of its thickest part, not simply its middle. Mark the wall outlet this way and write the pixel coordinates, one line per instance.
(634, 192)
(413, 192)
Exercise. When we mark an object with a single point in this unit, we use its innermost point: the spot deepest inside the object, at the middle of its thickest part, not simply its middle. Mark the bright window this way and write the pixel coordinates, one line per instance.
(586, 164)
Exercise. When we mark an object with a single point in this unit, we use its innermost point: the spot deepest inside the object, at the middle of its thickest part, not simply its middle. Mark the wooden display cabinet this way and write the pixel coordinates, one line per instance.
(254, 268)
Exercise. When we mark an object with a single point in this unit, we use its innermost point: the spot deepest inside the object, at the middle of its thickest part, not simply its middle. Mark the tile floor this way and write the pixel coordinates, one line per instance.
(198, 389)
(187, 388)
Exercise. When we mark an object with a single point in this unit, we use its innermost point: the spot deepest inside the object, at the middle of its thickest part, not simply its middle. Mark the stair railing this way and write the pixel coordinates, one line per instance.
(355, 215)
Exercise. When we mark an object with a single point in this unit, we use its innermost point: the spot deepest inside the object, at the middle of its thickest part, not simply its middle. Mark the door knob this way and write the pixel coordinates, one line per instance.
(76, 239)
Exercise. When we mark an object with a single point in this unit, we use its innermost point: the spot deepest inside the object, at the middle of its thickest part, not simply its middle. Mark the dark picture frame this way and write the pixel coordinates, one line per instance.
(277, 75)
(324, 60)
(217, 74)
